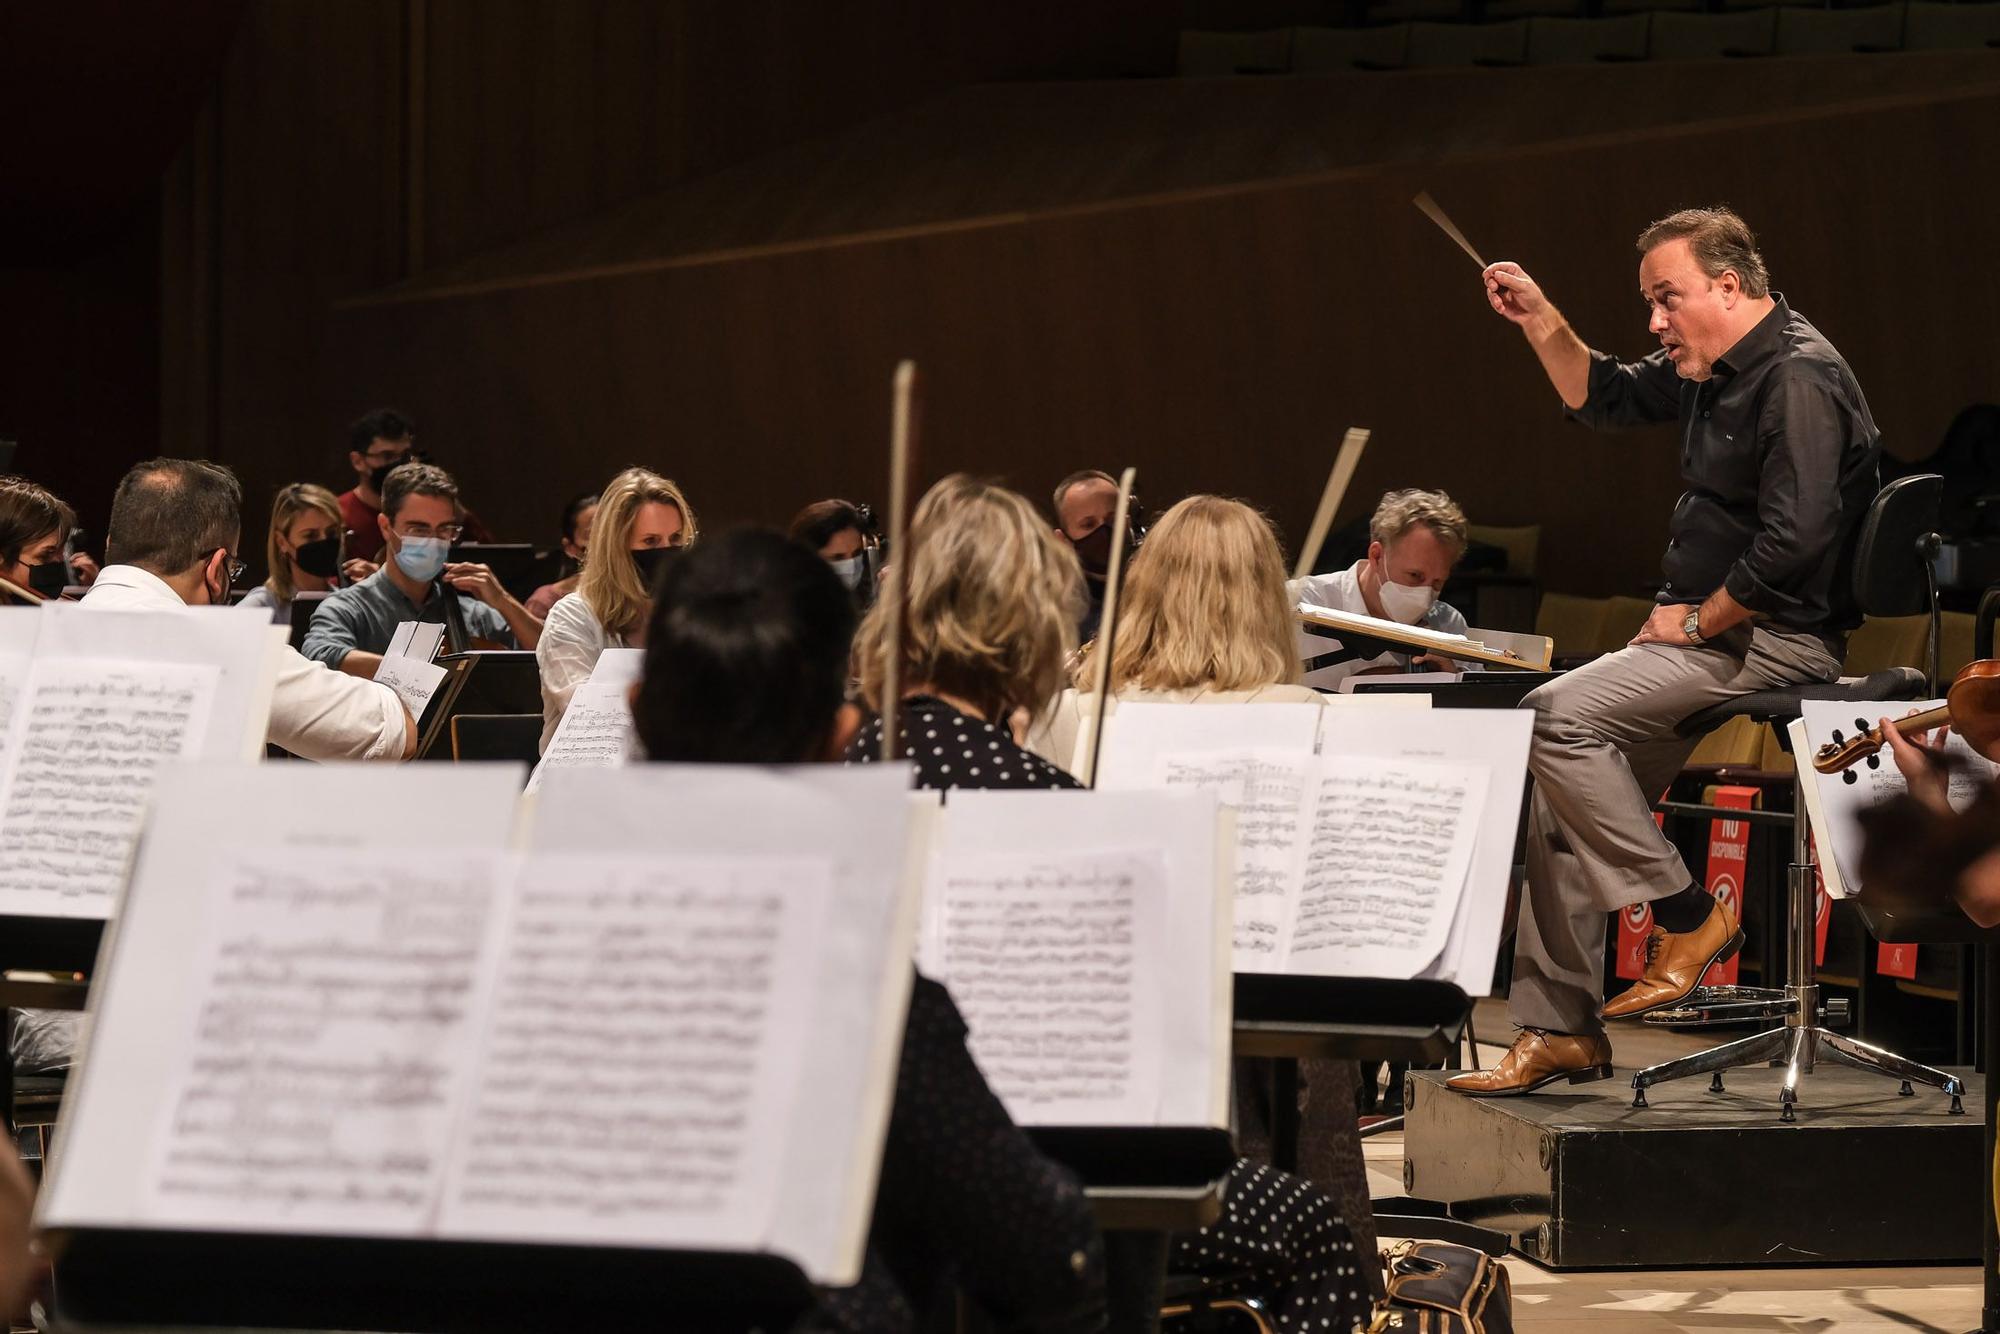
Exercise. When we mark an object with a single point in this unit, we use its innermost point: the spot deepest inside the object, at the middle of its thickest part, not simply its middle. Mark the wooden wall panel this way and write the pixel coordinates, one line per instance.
(1221, 342)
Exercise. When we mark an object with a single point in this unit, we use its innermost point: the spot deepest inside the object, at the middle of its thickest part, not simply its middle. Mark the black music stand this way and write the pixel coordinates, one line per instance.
(1144, 1183)
(479, 681)
(304, 604)
(121, 1279)
(1290, 1017)
(517, 565)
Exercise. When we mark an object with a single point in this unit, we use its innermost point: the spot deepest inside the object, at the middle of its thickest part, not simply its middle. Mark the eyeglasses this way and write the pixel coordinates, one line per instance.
(235, 568)
(376, 459)
(450, 532)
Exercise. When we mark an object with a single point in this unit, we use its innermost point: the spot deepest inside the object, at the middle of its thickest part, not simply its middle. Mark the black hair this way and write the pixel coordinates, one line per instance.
(381, 424)
(573, 512)
(28, 513)
(818, 523)
(746, 653)
(171, 514)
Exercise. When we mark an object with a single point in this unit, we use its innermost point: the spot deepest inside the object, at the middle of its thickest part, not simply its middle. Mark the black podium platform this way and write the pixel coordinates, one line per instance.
(1583, 1180)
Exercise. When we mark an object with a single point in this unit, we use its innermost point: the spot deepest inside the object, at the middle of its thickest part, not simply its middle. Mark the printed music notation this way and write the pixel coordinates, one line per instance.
(80, 764)
(595, 731)
(1053, 959)
(1344, 866)
(336, 1027)
(646, 1032)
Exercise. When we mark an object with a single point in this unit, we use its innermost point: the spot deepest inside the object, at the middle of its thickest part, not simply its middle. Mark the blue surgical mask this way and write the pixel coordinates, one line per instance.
(851, 570)
(422, 558)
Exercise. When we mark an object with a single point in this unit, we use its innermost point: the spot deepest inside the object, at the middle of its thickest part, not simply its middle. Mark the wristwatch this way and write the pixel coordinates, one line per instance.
(1691, 625)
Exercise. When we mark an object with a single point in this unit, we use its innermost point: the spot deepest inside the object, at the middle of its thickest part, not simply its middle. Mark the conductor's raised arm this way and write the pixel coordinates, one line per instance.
(1520, 301)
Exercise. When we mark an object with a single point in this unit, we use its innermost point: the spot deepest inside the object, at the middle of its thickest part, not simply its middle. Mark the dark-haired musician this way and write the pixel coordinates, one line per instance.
(1779, 453)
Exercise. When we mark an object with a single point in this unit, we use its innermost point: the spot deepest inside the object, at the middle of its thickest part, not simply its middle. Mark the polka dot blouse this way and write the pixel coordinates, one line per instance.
(955, 750)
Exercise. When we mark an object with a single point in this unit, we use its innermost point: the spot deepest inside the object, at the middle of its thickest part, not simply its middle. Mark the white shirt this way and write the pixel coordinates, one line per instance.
(1054, 735)
(1341, 591)
(572, 641)
(316, 713)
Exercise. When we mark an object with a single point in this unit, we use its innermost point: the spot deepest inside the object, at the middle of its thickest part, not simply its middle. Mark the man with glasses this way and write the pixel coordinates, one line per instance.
(376, 443)
(420, 520)
(175, 525)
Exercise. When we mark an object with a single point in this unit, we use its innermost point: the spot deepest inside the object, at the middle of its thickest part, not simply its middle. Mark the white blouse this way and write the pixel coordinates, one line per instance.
(573, 639)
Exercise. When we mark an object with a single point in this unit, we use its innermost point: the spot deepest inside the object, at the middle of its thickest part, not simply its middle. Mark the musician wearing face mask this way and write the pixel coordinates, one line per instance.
(33, 524)
(420, 520)
(1415, 538)
(378, 442)
(303, 550)
(843, 535)
(642, 521)
(1085, 503)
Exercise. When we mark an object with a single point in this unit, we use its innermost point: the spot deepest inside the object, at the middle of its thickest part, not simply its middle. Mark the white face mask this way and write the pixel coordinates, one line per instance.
(850, 570)
(1406, 602)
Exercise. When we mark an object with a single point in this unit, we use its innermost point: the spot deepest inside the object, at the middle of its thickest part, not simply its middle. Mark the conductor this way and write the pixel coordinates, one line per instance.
(1778, 453)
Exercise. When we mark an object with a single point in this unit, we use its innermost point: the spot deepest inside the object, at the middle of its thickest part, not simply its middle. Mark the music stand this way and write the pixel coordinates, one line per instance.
(125, 1278)
(304, 604)
(1290, 1017)
(517, 565)
(479, 681)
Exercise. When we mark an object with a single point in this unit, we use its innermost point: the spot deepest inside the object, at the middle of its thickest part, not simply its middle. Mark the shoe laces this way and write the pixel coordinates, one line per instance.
(1656, 940)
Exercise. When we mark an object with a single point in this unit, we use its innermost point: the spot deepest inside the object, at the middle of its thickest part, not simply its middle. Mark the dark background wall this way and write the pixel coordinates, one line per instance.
(572, 236)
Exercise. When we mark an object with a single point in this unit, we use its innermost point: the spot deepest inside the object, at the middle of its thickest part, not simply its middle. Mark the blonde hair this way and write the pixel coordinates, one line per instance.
(291, 502)
(1204, 605)
(610, 582)
(994, 598)
(1400, 511)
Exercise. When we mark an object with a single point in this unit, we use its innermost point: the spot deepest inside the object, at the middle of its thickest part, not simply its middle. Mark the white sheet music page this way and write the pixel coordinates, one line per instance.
(18, 629)
(596, 728)
(1266, 788)
(86, 737)
(1137, 735)
(1057, 962)
(1841, 800)
(338, 1000)
(1386, 856)
(642, 1059)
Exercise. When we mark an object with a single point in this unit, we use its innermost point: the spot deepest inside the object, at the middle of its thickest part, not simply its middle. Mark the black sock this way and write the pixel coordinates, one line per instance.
(1683, 911)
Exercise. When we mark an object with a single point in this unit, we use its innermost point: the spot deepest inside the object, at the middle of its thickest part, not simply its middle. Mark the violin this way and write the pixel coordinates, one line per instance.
(1971, 707)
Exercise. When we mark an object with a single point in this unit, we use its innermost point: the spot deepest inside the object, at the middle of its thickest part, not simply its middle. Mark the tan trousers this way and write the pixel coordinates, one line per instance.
(1604, 749)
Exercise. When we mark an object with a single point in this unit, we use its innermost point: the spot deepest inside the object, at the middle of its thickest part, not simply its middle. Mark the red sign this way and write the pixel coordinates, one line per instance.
(1633, 925)
(1728, 857)
(1822, 912)
(1896, 961)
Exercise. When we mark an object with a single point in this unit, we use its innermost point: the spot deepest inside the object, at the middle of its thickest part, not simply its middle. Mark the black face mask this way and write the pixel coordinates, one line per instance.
(1094, 551)
(49, 578)
(381, 473)
(652, 563)
(320, 559)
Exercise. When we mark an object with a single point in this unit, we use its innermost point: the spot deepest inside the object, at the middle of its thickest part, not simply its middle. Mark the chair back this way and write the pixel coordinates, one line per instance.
(1891, 567)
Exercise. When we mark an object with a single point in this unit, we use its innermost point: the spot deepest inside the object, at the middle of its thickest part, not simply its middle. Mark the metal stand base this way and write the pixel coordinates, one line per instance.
(1802, 1040)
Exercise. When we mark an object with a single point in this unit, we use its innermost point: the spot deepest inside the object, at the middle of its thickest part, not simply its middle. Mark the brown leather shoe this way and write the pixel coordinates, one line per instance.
(1675, 963)
(1539, 1057)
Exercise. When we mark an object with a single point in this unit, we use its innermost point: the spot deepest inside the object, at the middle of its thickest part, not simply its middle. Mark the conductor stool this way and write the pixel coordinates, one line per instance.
(1893, 576)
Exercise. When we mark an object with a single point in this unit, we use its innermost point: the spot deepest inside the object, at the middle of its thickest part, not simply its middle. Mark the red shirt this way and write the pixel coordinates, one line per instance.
(364, 535)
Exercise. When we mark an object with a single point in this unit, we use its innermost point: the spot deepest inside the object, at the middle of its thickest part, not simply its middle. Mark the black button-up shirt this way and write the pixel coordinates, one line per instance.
(1779, 455)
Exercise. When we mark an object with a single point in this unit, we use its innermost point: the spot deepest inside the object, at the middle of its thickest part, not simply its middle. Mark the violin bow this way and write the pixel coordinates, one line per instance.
(1107, 626)
(905, 417)
(1344, 464)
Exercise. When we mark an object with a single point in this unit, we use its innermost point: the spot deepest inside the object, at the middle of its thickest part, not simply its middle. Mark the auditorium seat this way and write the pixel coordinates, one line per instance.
(1955, 635)
(1204, 54)
(1572, 624)
(1339, 50)
(1677, 36)
(1931, 26)
(1555, 41)
(1882, 642)
(1442, 44)
(1819, 32)
(1522, 543)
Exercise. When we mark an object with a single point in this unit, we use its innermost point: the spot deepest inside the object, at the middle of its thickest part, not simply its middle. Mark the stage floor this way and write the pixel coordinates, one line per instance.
(1940, 1299)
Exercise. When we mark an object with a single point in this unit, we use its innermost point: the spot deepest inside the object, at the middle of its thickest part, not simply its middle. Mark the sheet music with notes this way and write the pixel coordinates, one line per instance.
(673, 1021)
(108, 697)
(338, 1016)
(1385, 852)
(1835, 802)
(18, 629)
(86, 737)
(1082, 936)
(679, 990)
(596, 728)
